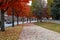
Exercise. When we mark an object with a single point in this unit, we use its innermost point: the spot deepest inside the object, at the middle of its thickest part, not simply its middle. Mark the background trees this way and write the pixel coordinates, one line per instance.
(56, 9)
(49, 3)
(37, 7)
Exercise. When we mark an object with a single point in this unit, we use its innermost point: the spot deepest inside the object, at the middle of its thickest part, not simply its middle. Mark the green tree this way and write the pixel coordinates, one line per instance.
(49, 2)
(56, 9)
(37, 8)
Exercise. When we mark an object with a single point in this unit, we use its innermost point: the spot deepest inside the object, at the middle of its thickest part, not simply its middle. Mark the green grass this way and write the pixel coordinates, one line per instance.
(49, 25)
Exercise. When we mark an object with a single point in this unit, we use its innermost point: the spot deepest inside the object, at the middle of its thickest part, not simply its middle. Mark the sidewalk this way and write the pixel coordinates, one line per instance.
(34, 32)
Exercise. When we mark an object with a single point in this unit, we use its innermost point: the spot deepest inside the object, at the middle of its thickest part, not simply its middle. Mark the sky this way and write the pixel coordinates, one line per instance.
(30, 2)
(46, 1)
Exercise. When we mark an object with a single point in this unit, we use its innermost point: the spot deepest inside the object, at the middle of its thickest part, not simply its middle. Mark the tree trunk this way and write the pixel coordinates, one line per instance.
(30, 20)
(22, 20)
(17, 20)
(12, 17)
(2, 21)
(27, 19)
(40, 19)
(37, 20)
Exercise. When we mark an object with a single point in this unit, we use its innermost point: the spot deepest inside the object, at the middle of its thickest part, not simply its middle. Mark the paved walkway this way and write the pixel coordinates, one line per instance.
(34, 32)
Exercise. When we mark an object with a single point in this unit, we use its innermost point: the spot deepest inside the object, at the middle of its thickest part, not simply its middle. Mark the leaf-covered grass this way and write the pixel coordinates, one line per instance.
(11, 33)
(49, 25)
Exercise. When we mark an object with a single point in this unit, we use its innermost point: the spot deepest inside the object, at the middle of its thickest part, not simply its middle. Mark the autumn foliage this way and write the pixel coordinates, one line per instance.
(20, 7)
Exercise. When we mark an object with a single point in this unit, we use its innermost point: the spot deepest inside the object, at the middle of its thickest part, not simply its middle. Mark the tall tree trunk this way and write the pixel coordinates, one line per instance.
(30, 20)
(17, 19)
(12, 17)
(37, 20)
(2, 21)
(27, 19)
(40, 19)
(22, 20)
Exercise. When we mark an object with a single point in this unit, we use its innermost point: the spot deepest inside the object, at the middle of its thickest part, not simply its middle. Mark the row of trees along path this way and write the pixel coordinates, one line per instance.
(13, 8)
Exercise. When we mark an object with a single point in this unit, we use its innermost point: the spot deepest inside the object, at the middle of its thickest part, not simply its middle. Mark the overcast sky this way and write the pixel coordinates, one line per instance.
(30, 2)
(44, 3)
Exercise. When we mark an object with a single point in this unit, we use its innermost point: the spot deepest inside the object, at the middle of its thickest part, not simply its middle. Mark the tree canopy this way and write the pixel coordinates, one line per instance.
(55, 8)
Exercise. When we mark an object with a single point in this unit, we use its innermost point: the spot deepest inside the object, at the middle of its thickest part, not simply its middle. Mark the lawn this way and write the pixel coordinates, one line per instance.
(50, 26)
(11, 33)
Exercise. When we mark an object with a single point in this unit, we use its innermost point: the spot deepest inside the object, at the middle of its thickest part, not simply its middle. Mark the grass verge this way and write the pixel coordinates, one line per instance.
(11, 33)
(49, 25)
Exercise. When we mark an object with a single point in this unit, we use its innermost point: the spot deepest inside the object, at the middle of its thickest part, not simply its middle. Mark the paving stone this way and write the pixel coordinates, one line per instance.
(34, 32)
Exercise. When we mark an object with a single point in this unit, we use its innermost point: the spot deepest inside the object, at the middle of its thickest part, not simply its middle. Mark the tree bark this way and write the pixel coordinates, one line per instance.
(2, 21)
(12, 17)
(30, 20)
(40, 19)
(27, 19)
(37, 20)
(22, 20)
(17, 20)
